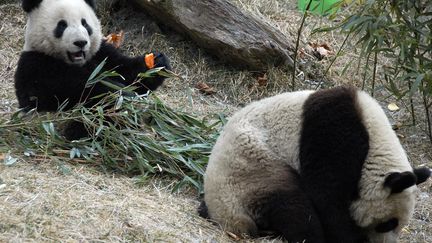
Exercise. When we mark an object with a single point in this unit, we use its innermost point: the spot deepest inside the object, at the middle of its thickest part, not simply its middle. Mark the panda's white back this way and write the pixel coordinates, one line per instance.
(259, 129)
(250, 144)
(277, 120)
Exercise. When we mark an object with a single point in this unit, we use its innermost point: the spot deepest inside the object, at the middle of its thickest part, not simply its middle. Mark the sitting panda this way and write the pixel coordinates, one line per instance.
(313, 166)
(63, 46)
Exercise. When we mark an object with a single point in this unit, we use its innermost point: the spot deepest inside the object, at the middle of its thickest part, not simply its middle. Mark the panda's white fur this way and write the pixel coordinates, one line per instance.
(250, 143)
(260, 140)
(386, 155)
(43, 20)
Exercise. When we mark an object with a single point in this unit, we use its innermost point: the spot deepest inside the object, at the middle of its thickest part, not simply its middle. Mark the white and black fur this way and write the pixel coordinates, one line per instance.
(67, 30)
(63, 46)
(320, 166)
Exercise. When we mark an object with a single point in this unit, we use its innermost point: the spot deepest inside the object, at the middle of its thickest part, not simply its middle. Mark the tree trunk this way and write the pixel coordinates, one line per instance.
(218, 26)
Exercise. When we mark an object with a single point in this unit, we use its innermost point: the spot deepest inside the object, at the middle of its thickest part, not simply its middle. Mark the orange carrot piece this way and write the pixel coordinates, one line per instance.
(150, 60)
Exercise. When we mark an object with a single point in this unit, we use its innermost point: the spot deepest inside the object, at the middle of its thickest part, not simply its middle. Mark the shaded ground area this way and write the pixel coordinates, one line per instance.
(58, 201)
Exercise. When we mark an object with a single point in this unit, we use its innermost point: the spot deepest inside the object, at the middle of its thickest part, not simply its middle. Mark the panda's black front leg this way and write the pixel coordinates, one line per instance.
(339, 227)
(152, 83)
(334, 214)
(130, 67)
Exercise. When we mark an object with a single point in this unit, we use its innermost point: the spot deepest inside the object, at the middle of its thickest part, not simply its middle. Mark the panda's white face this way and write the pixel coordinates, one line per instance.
(387, 190)
(64, 29)
(385, 216)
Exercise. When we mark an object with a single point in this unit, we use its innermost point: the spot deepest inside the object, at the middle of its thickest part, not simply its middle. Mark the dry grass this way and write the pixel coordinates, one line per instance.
(11, 42)
(57, 201)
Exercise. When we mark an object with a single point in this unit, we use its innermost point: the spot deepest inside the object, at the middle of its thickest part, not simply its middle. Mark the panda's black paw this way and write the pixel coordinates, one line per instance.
(154, 60)
(160, 60)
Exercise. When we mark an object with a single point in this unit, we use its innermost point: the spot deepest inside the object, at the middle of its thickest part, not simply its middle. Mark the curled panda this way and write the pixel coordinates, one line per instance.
(320, 166)
(63, 46)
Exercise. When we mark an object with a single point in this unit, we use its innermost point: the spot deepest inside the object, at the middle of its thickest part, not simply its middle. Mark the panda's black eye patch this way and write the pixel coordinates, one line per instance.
(60, 28)
(88, 28)
(387, 226)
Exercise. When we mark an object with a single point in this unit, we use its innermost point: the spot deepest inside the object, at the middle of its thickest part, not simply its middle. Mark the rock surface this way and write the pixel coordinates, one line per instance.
(236, 37)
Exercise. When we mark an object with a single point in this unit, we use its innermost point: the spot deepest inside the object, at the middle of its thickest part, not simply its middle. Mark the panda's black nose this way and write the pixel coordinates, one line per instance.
(80, 44)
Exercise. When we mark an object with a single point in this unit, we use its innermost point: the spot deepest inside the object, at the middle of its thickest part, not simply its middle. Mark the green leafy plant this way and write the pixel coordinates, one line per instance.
(132, 134)
(400, 31)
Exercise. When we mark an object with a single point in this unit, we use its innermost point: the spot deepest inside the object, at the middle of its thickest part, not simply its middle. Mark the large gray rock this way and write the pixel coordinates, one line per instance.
(218, 26)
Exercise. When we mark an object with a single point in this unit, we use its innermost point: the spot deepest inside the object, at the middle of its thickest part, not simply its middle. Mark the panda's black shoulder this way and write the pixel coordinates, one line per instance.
(107, 51)
(104, 51)
(37, 68)
(29, 5)
(29, 57)
(339, 98)
(333, 136)
(32, 63)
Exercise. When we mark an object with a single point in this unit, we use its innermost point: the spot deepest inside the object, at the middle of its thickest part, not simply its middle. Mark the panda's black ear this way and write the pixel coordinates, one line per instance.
(422, 174)
(92, 3)
(29, 5)
(398, 182)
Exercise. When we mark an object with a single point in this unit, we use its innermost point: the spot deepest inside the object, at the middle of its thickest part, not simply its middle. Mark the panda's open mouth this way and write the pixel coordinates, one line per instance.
(76, 57)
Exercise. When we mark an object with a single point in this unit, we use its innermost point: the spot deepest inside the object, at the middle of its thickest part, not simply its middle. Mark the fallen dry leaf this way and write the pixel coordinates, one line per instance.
(262, 80)
(326, 46)
(205, 88)
(321, 51)
(2, 156)
(115, 39)
(393, 107)
(301, 53)
(396, 126)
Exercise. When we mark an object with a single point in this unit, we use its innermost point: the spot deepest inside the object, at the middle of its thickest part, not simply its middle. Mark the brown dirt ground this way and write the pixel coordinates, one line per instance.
(57, 201)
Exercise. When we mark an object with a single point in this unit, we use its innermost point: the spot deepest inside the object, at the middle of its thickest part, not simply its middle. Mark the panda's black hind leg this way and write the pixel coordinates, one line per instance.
(203, 210)
(75, 130)
(291, 215)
